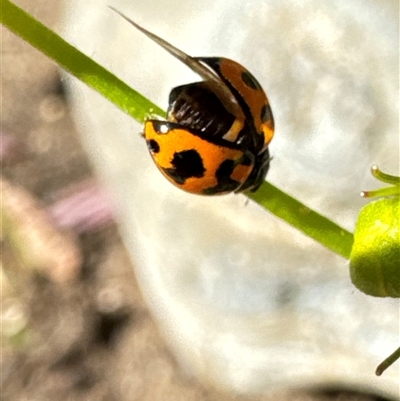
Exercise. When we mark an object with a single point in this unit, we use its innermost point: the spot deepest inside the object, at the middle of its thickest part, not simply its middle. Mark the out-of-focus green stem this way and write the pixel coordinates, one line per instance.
(390, 360)
(88, 71)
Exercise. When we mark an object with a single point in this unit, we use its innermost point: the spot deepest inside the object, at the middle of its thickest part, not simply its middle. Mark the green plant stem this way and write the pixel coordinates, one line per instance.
(311, 223)
(384, 177)
(390, 360)
(76, 63)
(88, 71)
(394, 190)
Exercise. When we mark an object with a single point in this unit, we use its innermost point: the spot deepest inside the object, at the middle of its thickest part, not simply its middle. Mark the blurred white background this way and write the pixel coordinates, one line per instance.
(247, 302)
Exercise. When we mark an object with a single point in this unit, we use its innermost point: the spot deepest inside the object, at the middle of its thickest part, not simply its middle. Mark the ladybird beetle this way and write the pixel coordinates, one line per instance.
(216, 135)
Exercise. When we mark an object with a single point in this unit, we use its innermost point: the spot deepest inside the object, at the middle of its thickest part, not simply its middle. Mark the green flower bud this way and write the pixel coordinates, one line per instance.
(375, 256)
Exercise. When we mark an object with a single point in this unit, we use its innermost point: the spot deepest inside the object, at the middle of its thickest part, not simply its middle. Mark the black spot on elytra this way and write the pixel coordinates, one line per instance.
(224, 170)
(225, 182)
(247, 160)
(266, 113)
(153, 146)
(186, 164)
(250, 81)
